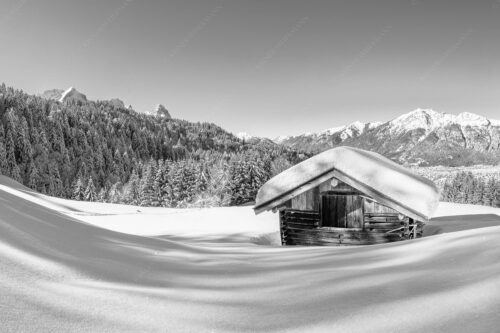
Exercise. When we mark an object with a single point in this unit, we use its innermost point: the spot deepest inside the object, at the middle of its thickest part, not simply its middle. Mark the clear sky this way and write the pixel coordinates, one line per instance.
(266, 67)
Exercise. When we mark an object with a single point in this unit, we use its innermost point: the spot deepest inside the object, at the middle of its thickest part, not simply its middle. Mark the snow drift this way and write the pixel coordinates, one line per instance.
(58, 273)
(369, 172)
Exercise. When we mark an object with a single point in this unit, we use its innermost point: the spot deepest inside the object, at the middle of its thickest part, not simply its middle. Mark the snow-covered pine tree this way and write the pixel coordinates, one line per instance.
(33, 178)
(160, 183)
(146, 190)
(201, 181)
(157, 185)
(488, 192)
(101, 196)
(131, 189)
(478, 189)
(90, 191)
(468, 188)
(78, 190)
(191, 181)
(458, 185)
(279, 165)
(114, 194)
(14, 171)
(23, 146)
(495, 201)
(445, 192)
(3, 153)
(219, 183)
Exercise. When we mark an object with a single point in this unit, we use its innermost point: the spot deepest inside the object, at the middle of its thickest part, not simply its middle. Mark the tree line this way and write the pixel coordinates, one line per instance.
(217, 180)
(466, 188)
(99, 152)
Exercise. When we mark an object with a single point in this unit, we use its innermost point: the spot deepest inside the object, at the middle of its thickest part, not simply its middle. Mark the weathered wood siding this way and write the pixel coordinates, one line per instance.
(308, 200)
(338, 236)
(371, 206)
(291, 219)
(303, 228)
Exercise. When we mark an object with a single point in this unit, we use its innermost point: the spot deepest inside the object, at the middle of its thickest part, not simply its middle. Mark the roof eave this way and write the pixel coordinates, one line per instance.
(280, 200)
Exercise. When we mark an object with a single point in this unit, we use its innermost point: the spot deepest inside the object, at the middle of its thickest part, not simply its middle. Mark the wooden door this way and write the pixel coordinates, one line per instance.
(341, 211)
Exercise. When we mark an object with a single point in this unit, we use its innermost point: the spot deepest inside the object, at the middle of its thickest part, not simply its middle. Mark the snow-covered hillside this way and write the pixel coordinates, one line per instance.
(75, 266)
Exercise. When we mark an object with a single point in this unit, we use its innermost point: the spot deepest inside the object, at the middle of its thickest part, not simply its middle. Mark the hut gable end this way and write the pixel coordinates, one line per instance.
(361, 171)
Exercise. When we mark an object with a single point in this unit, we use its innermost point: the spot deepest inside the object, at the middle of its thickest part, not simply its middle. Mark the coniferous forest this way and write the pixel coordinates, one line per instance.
(96, 151)
(467, 188)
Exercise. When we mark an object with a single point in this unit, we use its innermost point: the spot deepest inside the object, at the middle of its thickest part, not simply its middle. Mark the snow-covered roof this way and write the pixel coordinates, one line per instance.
(378, 177)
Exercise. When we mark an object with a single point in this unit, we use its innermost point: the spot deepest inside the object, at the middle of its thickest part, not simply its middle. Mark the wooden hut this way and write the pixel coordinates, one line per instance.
(348, 196)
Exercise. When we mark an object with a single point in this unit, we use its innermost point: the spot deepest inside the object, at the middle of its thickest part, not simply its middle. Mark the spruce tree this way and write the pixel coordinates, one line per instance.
(4, 168)
(477, 195)
(114, 194)
(33, 178)
(101, 196)
(78, 190)
(90, 191)
(495, 197)
(159, 183)
(489, 192)
(146, 191)
(131, 189)
(13, 172)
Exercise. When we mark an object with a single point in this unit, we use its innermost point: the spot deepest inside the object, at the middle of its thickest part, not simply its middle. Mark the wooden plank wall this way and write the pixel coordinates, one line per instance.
(371, 206)
(295, 220)
(308, 200)
(301, 228)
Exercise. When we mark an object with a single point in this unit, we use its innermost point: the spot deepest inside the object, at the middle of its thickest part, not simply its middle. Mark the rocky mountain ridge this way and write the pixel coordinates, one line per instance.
(421, 137)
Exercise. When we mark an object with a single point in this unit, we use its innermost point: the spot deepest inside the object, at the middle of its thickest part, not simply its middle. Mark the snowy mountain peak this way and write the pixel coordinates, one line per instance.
(73, 95)
(419, 118)
(429, 120)
(357, 126)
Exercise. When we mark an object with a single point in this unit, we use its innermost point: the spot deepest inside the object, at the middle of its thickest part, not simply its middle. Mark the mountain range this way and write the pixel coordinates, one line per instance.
(422, 137)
